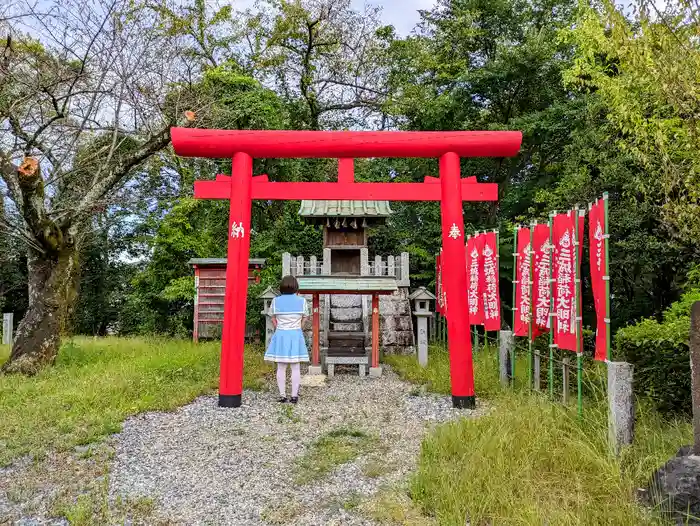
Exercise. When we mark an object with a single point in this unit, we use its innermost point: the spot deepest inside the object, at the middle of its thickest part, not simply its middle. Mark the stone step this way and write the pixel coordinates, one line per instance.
(353, 336)
(347, 343)
(346, 351)
(346, 300)
(349, 315)
(346, 327)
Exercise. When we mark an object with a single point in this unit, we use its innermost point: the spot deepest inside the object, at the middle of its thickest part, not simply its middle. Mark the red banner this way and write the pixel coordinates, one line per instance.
(474, 281)
(596, 240)
(523, 289)
(564, 274)
(541, 299)
(492, 301)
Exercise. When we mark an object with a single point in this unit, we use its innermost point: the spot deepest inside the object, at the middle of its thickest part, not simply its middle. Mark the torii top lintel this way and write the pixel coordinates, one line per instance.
(192, 142)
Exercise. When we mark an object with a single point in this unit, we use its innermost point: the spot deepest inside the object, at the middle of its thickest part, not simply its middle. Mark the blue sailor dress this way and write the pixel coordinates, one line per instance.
(287, 344)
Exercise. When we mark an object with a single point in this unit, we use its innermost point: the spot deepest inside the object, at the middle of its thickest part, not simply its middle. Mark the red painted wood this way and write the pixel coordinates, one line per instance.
(258, 178)
(233, 333)
(315, 351)
(195, 332)
(375, 330)
(346, 170)
(455, 278)
(349, 191)
(436, 180)
(221, 144)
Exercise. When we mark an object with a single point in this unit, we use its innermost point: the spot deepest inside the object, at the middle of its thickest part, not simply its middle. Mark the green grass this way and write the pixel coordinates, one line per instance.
(436, 377)
(97, 383)
(531, 461)
(330, 451)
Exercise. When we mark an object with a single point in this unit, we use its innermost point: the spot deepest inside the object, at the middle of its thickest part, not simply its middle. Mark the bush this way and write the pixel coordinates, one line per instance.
(661, 356)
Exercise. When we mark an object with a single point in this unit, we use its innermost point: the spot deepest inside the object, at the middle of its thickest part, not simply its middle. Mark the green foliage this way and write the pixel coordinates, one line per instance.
(475, 467)
(530, 461)
(645, 70)
(97, 383)
(660, 351)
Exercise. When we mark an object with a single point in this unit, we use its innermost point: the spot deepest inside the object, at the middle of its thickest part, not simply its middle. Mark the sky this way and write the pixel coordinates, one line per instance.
(402, 14)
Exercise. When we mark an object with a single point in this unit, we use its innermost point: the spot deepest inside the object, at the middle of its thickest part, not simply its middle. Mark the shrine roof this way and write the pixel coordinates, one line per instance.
(345, 208)
(347, 284)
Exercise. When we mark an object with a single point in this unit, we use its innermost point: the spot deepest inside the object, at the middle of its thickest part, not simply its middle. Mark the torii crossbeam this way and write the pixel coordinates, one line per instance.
(241, 188)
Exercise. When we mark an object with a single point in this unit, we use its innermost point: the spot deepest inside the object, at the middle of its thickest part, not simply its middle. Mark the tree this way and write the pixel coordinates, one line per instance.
(325, 58)
(645, 70)
(82, 107)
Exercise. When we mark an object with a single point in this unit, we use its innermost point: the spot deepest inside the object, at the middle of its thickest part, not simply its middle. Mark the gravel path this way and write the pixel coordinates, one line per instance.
(206, 465)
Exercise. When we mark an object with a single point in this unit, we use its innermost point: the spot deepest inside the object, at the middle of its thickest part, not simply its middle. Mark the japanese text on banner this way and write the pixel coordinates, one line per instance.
(491, 301)
(523, 290)
(541, 275)
(474, 281)
(597, 240)
(565, 287)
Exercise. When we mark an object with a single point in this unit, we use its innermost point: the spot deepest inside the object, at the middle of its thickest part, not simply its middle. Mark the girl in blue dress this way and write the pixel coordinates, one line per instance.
(287, 346)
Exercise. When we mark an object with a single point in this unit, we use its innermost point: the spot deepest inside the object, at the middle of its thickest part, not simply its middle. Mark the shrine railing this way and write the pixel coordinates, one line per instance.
(397, 266)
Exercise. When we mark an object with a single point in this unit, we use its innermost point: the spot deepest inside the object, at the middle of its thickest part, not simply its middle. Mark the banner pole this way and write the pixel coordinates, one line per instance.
(606, 239)
(577, 292)
(515, 307)
(552, 316)
(532, 305)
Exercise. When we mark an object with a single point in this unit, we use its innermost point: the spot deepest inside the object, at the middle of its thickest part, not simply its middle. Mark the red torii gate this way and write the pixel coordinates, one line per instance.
(241, 188)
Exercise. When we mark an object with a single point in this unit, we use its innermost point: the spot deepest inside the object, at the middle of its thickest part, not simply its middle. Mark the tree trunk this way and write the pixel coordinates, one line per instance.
(53, 281)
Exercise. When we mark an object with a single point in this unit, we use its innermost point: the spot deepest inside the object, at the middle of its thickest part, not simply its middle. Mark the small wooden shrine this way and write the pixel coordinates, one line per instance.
(210, 285)
(347, 309)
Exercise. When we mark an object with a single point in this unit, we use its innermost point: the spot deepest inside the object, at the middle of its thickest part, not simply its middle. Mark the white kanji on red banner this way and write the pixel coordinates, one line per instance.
(491, 305)
(524, 307)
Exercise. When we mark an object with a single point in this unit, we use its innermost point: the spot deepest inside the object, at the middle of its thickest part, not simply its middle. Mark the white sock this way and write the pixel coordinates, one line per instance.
(296, 379)
(282, 378)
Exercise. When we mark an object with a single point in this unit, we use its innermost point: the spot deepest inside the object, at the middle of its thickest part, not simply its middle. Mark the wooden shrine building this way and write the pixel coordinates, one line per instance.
(209, 285)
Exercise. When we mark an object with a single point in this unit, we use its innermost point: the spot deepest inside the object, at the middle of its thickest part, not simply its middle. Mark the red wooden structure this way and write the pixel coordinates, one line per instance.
(241, 188)
(210, 286)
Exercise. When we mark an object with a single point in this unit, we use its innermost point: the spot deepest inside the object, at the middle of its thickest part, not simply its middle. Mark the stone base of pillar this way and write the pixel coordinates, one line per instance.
(315, 369)
(375, 372)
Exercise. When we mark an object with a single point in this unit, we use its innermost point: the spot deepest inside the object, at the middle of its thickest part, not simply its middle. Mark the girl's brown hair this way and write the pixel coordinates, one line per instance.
(289, 285)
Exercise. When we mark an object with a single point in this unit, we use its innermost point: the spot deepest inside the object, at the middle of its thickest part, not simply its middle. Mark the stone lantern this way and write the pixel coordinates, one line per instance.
(267, 296)
(421, 299)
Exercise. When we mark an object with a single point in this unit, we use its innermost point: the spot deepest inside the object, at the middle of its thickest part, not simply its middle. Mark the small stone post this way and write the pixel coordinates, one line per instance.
(565, 380)
(286, 264)
(421, 299)
(695, 372)
(364, 262)
(505, 355)
(378, 266)
(536, 370)
(7, 326)
(405, 280)
(620, 405)
(313, 265)
(300, 266)
(326, 265)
